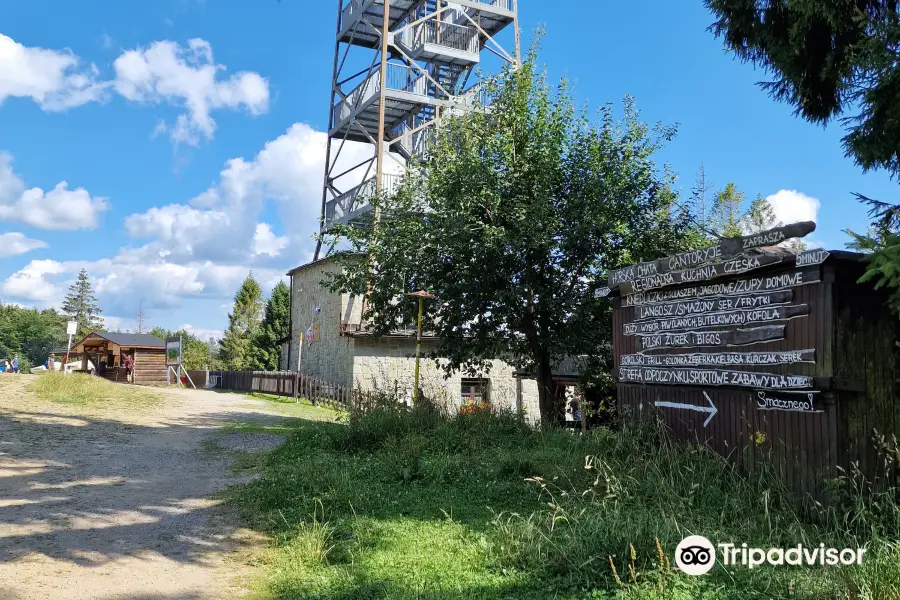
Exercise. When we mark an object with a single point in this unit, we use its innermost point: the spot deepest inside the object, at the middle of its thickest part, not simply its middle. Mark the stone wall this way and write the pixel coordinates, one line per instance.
(389, 364)
(530, 404)
(329, 355)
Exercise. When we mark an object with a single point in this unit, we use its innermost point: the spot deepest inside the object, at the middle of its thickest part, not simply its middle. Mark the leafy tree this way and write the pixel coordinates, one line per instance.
(827, 58)
(81, 305)
(238, 349)
(30, 333)
(194, 351)
(528, 206)
(275, 326)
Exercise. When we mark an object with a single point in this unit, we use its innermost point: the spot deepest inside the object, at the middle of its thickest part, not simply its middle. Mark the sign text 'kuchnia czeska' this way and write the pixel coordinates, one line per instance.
(732, 266)
(724, 249)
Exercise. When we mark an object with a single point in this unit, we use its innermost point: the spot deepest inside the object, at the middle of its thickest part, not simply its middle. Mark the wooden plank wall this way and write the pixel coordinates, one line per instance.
(150, 367)
(866, 335)
(804, 445)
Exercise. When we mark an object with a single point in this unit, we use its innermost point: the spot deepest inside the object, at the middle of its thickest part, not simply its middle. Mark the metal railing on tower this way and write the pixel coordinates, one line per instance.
(399, 65)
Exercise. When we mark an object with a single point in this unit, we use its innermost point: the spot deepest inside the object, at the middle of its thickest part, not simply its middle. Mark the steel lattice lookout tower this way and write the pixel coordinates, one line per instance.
(399, 65)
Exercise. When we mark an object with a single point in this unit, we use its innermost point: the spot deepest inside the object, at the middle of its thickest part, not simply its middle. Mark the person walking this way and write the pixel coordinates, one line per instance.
(51, 362)
(15, 364)
(129, 368)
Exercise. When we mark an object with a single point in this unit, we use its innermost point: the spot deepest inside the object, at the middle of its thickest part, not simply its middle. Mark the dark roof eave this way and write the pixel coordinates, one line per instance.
(141, 341)
(322, 260)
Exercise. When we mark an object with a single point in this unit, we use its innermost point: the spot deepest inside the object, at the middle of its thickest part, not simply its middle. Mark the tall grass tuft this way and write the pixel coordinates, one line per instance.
(484, 506)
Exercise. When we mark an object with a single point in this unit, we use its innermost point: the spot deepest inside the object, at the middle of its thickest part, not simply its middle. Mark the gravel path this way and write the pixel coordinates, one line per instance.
(116, 505)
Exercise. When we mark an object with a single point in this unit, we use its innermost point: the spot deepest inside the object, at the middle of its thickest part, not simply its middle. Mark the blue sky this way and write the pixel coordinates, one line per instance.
(188, 163)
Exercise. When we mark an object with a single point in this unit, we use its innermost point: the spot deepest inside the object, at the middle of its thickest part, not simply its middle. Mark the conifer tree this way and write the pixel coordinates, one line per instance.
(238, 347)
(275, 327)
(81, 305)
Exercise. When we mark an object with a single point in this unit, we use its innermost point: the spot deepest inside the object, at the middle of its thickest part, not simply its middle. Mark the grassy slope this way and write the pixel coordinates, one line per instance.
(85, 390)
(407, 506)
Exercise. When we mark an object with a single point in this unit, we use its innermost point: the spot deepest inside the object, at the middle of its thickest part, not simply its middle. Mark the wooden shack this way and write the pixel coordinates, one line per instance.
(754, 350)
(149, 353)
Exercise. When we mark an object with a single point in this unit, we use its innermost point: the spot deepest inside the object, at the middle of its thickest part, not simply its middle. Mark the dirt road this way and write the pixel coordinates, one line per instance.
(113, 505)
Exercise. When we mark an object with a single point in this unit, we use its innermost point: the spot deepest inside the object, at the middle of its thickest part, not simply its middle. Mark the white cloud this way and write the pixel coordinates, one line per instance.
(266, 242)
(59, 209)
(162, 73)
(115, 323)
(184, 233)
(127, 278)
(202, 333)
(222, 224)
(33, 283)
(204, 248)
(14, 243)
(791, 206)
(165, 72)
(54, 79)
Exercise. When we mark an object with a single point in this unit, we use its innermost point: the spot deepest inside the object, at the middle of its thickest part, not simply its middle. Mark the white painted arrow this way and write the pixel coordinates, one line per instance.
(711, 409)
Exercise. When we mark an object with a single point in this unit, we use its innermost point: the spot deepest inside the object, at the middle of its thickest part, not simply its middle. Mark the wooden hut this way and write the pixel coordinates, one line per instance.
(110, 350)
(761, 352)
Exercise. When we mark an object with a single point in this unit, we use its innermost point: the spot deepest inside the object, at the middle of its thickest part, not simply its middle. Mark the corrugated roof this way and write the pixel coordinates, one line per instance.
(134, 340)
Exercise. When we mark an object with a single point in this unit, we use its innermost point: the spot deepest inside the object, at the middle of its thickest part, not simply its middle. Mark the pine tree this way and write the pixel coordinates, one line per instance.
(238, 349)
(81, 305)
(760, 217)
(275, 327)
(727, 211)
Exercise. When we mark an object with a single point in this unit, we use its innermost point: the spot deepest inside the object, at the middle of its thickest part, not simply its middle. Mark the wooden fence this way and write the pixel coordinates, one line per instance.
(286, 383)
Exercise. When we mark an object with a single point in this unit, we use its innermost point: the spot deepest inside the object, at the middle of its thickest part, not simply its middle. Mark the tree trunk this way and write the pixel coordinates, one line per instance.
(545, 390)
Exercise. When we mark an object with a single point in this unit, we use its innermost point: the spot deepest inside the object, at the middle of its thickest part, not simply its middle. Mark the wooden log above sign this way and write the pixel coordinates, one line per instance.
(748, 285)
(730, 318)
(724, 249)
(719, 359)
(732, 337)
(713, 377)
(711, 305)
(733, 266)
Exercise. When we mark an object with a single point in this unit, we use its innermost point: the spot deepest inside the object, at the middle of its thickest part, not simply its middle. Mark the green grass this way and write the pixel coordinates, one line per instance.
(85, 390)
(411, 505)
(300, 408)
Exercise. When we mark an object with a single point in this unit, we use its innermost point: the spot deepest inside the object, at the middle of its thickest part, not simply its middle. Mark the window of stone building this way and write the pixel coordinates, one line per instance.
(475, 390)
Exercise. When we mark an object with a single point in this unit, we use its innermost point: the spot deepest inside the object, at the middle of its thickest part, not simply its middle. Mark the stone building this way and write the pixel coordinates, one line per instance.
(338, 348)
